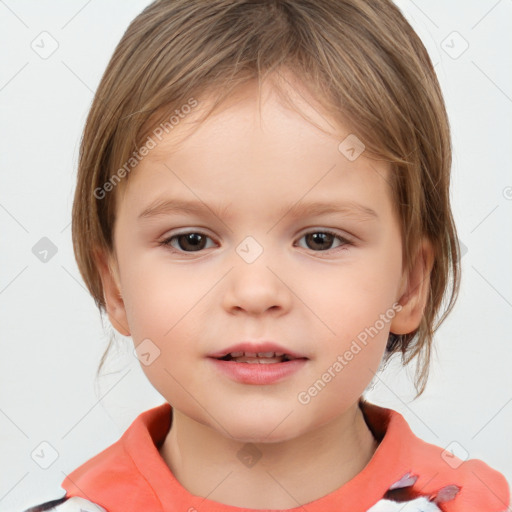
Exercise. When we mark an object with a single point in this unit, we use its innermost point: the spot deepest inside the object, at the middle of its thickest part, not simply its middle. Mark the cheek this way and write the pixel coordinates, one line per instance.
(357, 307)
(166, 304)
(154, 297)
(162, 307)
(358, 292)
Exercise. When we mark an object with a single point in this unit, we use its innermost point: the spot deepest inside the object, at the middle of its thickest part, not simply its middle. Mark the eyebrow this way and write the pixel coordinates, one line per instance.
(176, 206)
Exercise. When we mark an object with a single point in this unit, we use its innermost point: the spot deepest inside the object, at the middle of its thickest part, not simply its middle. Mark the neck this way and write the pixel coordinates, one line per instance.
(292, 472)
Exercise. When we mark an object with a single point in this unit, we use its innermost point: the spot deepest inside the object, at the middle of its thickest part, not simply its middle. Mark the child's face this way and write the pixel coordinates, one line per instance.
(311, 301)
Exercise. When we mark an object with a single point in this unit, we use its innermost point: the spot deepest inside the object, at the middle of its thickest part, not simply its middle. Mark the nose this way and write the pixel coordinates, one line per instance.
(257, 287)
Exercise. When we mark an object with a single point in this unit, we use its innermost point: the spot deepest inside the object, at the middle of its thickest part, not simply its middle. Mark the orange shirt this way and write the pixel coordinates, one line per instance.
(131, 476)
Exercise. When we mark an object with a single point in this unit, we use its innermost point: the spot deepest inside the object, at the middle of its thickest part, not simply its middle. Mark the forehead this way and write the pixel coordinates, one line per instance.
(276, 139)
(259, 103)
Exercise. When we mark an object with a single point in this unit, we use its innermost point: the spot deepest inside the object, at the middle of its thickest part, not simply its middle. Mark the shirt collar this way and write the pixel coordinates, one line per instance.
(132, 469)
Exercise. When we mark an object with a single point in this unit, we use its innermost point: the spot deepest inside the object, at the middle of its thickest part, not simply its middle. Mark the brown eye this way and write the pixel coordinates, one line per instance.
(187, 242)
(323, 240)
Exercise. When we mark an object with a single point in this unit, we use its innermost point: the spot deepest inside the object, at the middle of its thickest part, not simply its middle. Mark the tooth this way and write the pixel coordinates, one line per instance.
(265, 354)
(250, 354)
(237, 354)
(279, 354)
(260, 360)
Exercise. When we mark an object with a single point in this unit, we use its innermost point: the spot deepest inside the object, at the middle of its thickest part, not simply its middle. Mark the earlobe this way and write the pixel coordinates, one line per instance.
(415, 291)
(114, 304)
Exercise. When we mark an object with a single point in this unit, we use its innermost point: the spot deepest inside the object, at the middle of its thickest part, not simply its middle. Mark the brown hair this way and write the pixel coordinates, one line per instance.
(359, 58)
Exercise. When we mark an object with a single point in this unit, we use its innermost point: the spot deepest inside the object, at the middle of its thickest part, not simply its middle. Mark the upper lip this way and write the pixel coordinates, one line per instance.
(257, 347)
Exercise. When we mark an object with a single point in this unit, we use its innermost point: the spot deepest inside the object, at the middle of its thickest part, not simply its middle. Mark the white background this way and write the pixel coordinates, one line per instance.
(51, 334)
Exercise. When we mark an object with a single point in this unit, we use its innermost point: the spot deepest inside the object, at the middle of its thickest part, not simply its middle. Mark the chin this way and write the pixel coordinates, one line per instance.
(269, 428)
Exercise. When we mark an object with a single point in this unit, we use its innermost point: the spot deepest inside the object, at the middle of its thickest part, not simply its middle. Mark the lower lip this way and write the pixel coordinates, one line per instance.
(256, 373)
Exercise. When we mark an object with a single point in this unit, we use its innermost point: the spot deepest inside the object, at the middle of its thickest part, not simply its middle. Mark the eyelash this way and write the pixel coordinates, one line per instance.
(344, 241)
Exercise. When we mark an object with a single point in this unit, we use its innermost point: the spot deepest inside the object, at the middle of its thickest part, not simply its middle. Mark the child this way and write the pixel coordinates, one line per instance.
(227, 142)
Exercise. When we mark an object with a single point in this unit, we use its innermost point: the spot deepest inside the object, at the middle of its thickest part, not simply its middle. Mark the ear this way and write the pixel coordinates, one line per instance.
(109, 274)
(414, 291)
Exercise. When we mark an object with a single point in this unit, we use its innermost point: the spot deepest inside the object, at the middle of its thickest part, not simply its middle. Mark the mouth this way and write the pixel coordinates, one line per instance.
(258, 363)
(258, 357)
(261, 352)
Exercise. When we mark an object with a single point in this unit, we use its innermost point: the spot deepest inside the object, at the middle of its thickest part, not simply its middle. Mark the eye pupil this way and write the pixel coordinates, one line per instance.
(193, 241)
(322, 240)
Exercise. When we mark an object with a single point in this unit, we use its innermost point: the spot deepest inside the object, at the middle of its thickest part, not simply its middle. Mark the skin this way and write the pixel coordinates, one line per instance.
(254, 157)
